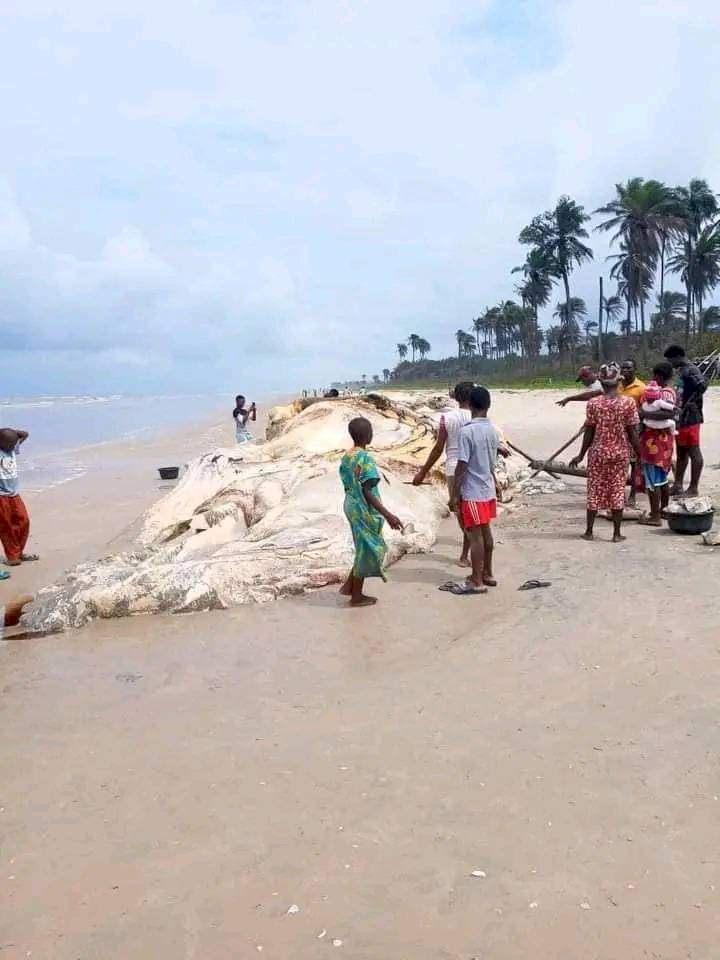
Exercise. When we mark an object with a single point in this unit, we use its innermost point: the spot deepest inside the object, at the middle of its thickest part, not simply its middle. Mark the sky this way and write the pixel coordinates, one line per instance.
(262, 195)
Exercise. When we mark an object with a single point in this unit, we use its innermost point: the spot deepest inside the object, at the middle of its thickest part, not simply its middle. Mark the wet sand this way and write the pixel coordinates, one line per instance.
(172, 785)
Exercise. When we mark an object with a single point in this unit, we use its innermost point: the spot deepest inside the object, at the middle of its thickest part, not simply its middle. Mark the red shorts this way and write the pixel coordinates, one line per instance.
(688, 436)
(478, 513)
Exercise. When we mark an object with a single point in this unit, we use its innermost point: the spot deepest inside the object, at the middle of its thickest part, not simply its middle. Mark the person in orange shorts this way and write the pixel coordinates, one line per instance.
(474, 493)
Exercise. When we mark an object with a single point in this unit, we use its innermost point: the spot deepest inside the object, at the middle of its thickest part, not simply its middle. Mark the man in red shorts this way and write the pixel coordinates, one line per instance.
(474, 491)
(690, 387)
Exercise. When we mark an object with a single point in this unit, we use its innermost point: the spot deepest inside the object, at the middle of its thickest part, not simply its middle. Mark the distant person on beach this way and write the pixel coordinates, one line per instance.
(448, 440)
(474, 491)
(365, 513)
(14, 519)
(690, 386)
(611, 433)
(241, 415)
(593, 388)
(657, 440)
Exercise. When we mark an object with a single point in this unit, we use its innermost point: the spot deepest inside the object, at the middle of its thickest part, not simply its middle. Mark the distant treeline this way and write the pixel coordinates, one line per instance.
(658, 231)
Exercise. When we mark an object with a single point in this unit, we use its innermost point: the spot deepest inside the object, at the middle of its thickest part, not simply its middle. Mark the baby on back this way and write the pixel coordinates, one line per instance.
(657, 399)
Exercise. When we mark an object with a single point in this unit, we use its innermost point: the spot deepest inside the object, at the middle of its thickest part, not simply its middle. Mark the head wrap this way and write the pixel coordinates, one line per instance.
(609, 374)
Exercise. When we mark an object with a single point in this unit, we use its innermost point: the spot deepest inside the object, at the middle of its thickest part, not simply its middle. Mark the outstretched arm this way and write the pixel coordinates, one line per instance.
(580, 397)
(433, 456)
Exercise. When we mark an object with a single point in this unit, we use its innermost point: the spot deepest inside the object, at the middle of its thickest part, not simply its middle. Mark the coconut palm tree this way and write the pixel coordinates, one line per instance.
(710, 319)
(637, 216)
(552, 338)
(402, 350)
(559, 235)
(670, 309)
(460, 337)
(635, 280)
(423, 347)
(537, 285)
(386, 374)
(590, 328)
(696, 206)
(699, 266)
(414, 341)
(569, 314)
(478, 328)
(612, 308)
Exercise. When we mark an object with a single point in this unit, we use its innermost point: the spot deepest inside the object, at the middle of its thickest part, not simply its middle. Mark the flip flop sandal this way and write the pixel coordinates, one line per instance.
(465, 589)
(447, 586)
(4, 575)
(534, 584)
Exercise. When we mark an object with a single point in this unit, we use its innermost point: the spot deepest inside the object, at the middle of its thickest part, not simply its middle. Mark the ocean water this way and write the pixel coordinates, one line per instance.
(63, 429)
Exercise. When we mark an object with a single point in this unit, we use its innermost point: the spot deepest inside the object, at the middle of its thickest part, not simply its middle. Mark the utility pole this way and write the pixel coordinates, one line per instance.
(600, 322)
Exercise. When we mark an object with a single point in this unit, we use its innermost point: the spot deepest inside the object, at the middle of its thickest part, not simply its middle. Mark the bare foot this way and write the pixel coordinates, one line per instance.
(462, 562)
(363, 601)
(692, 492)
(587, 536)
(490, 581)
(650, 521)
(29, 557)
(676, 492)
(618, 538)
(13, 563)
(345, 590)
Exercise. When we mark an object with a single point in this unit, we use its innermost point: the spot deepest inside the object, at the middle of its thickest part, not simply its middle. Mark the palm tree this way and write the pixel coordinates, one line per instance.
(613, 308)
(553, 337)
(696, 205)
(402, 350)
(559, 235)
(537, 286)
(638, 215)
(569, 314)
(478, 328)
(465, 342)
(386, 374)
(710, 320)
(635, 280)
(699, 266)
(589, 326)
(668, 315)
(376, 379)
(423, 347)
(414, 341)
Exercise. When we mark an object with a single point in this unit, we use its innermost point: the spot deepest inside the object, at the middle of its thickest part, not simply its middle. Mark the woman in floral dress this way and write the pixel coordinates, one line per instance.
(611, 432)
(365, 513)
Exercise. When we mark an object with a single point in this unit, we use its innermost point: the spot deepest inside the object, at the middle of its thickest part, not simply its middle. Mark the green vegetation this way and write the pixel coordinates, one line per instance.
(656, 231)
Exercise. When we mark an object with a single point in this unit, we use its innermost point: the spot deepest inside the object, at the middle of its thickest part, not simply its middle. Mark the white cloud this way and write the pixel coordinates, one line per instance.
(309, 182)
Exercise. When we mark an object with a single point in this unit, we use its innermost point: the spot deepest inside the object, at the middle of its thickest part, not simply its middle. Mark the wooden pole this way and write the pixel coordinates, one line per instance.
(526, 456)
(557, 453)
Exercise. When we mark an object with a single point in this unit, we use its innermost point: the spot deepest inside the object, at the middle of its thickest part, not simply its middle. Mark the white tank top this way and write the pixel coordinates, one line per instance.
(453, 421)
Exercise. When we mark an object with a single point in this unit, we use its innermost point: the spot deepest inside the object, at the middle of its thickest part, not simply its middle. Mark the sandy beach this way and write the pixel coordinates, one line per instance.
(436, 778)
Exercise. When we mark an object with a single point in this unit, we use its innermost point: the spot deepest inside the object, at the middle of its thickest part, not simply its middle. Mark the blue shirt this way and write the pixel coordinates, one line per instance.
(8, 473)
(478, 443)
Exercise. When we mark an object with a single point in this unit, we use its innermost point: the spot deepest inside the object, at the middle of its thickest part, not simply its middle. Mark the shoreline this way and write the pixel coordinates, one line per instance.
(84, 516)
